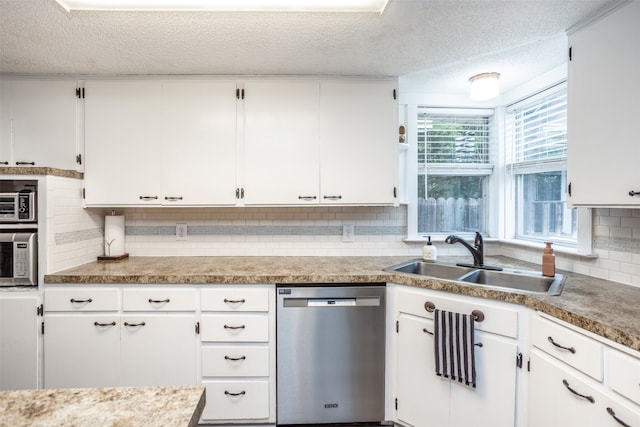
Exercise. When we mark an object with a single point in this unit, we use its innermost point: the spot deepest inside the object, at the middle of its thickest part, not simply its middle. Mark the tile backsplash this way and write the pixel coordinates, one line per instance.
(307, 231)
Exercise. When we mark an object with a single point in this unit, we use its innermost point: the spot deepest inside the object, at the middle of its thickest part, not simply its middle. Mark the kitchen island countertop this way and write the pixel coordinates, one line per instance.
(605, 308)
(105, 407)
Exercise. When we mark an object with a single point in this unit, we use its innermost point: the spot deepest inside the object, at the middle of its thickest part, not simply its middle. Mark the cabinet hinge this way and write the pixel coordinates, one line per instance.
(570, 53)
(394, 94)
(197, 328)
(40, 310)
(80, 93)
(397, 326)
(42, 328)
(519, 360)
(396, 402)
(79, 159)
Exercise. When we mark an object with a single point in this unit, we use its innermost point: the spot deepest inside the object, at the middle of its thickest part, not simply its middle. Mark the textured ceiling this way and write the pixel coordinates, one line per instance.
(429, 42)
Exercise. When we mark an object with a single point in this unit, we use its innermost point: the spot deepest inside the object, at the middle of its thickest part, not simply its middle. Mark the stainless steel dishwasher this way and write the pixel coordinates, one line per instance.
(330, 354)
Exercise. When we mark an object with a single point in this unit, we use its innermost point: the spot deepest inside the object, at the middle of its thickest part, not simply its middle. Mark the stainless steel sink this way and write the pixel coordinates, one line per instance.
(436, 270)
(518, 280)
(505, 279)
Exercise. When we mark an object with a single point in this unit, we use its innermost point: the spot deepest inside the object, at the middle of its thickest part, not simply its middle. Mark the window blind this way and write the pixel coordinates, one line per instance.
(540, 130)
(448, 138)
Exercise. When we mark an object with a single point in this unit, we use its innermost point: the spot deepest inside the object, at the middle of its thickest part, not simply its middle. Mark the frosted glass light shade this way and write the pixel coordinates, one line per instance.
(228, 5)
(484, 86)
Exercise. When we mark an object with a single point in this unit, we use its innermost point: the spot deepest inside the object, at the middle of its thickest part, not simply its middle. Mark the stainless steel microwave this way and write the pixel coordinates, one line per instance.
(18, 206)
(18, 259)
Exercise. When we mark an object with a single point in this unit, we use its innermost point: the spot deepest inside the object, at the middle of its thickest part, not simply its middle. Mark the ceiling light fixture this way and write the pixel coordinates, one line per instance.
(484, 86)
(227, 5)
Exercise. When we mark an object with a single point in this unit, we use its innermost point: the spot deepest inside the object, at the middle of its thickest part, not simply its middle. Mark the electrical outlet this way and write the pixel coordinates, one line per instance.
(181, 231)
(348, 232)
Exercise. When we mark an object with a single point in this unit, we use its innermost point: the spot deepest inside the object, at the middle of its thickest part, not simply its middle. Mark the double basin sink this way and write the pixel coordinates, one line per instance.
(505, 279)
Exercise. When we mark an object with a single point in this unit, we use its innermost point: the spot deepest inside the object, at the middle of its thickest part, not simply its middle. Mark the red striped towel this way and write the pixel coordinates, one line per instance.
(454, 346)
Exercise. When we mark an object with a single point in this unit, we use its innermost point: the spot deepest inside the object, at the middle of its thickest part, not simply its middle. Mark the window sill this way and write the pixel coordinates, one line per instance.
(556, 248)
(439, 238)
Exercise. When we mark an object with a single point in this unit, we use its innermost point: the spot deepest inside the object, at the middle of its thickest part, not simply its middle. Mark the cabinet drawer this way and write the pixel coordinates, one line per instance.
(81, 299)
(571, 347)
(498, 319)
(235, 328)
(247, 361)
(158, 299)
(232, 299)
(236, 400)
(623, 374)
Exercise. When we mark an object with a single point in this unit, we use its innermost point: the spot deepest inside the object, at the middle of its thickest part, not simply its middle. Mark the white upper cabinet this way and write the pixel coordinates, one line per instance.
(260, 142)
(38, 123)
(198, 142)
(123, 149)
(358, 139)
(281, 131)
(603, 93)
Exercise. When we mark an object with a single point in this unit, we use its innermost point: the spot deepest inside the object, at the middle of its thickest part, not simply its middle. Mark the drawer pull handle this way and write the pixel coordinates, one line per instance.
(235, 359)
(134, 324)
(613, 414)
(307, 197)
(104, 324)
(147, 198)
(589, 398)
(228, 393)
(234, 327)
(158, 301)
(80, 301)
(235, 301)
(570, 349)
(426, 331)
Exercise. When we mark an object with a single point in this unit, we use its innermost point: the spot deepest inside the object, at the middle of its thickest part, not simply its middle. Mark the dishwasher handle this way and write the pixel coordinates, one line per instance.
(331, 302)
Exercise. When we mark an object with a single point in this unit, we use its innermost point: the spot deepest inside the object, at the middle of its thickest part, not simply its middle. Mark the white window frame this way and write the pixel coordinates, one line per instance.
(411, 112)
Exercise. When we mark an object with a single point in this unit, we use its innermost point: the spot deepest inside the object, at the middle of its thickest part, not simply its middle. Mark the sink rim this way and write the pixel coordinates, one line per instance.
(555, 288)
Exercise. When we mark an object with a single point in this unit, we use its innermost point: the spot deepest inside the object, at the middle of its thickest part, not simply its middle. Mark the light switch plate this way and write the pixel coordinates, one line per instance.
(348, 232)
(181, 231)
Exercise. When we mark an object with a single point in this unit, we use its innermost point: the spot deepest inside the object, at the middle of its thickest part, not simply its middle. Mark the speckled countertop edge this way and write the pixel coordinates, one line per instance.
(121, 406)
(608, 309)
(34, 170)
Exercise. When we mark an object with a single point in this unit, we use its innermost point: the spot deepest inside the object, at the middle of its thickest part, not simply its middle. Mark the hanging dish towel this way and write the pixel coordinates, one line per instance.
(454, 346)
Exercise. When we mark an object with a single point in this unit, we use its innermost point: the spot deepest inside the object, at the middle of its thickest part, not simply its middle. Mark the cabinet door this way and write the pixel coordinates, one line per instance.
(123, 142)
(43, 123)
(423, 397)
(81, 350)
(281, 142)
(199, 142)
(602, 110)
(18, 343)
(359, 138)
(553, 398)
(158, 350)
(492, 402)
(5, 122)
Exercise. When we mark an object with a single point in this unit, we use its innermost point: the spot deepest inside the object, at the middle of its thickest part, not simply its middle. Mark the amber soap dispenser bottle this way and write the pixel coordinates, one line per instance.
(548, 261)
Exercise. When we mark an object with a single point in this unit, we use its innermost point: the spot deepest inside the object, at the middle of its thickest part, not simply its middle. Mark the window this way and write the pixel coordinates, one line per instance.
(453, 166)
(538, 131)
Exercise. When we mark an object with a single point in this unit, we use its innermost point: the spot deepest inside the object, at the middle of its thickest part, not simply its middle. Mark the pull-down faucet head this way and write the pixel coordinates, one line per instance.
(477, 250)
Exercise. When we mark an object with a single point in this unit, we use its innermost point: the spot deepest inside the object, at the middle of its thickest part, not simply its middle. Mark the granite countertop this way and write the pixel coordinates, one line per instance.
(605, 308)
(105, 407)
(37, 170)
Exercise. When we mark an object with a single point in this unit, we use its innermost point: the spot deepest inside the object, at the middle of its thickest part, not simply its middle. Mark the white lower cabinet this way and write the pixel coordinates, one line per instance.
(574, 383)
(425, 399)
(19, 341)
(90, 342)
(237, 330)
(81, 350)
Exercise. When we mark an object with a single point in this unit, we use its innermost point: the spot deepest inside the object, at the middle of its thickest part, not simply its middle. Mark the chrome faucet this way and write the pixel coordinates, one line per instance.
(477, 251)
